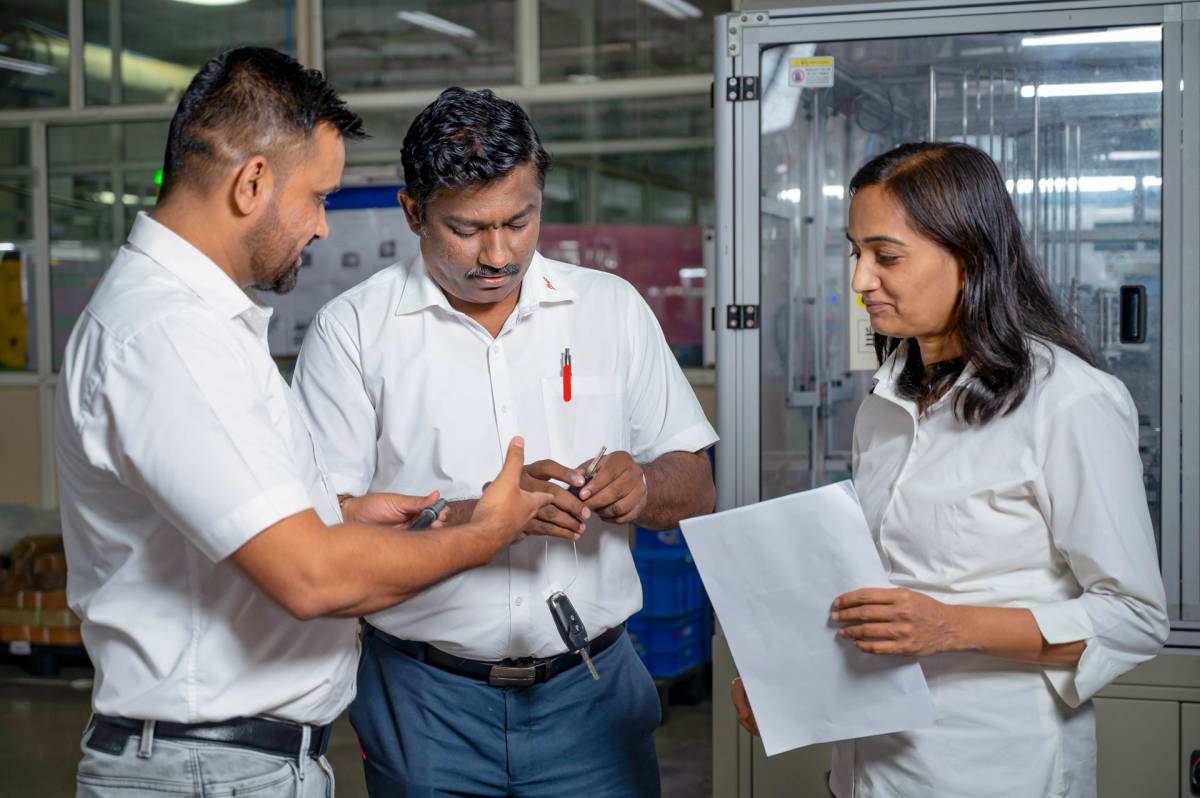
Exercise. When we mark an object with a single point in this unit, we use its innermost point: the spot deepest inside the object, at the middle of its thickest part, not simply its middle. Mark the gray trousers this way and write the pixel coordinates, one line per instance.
(150, 766)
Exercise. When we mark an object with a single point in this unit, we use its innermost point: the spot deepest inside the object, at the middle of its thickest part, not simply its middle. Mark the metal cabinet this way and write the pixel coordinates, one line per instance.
(1092, 112)
(1134, 750)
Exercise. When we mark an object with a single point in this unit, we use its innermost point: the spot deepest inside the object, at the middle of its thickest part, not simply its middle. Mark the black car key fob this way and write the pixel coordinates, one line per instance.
(570, 628)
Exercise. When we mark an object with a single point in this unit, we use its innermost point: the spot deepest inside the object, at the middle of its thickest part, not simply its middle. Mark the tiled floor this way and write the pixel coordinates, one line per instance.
(41, 719)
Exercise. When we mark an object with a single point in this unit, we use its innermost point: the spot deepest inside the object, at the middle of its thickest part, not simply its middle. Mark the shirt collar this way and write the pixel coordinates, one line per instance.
(193, 268)
(889, 373)
(538, 287)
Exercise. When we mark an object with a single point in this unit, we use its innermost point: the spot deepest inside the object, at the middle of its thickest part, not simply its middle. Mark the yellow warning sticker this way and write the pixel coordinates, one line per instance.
(811, 73)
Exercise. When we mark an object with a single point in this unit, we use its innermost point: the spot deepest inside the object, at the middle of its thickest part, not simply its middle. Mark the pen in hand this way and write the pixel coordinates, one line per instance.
(429, 514)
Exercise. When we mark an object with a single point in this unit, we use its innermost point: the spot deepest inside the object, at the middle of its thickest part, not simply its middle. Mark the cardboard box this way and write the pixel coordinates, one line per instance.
(50, 581)
(21, 617)
(28, 548)
(59, 636)
(50, 564)
(12, 601)
(51, 599)
(59, 619)
(13, 584)
(11, 632)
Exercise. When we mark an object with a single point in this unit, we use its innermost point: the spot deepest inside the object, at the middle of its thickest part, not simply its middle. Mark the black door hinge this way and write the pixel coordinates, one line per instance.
(741, 89)
(741, 317)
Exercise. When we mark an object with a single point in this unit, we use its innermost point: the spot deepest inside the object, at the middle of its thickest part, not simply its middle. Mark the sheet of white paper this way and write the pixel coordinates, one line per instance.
(772, 571)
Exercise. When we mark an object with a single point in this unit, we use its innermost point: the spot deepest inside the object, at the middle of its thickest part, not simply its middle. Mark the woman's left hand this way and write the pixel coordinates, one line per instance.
(896, 621)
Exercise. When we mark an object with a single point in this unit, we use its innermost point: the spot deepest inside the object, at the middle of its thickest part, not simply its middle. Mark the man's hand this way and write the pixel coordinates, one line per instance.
(565, 515)
(505, 510)
(896, 621)
(388, 509)
(617, 493)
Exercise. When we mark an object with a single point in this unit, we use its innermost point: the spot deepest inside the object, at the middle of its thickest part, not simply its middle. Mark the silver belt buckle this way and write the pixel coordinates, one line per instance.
(502, 676)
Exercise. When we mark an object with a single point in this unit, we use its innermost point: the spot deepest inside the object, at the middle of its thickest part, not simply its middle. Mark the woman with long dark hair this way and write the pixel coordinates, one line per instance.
(999, 471)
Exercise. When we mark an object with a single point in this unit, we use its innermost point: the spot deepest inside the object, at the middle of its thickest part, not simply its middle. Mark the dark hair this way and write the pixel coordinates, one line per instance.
(245, 102)
(955, 196)
(468, 138)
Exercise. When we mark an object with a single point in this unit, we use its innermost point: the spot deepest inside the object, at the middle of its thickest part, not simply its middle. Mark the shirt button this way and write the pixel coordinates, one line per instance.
(518, 601)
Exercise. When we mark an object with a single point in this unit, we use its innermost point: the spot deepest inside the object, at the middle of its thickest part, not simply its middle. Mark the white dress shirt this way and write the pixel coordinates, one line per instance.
(1043, 508)
(178, 441)
(409, 395)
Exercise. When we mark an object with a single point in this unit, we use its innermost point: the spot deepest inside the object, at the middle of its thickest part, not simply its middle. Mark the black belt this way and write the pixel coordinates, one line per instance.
(522, 672)
(278, 737)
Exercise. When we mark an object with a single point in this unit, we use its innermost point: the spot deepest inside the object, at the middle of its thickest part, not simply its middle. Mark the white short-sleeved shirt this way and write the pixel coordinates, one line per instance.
(177, 441)
(1043, 508)
(409, 395)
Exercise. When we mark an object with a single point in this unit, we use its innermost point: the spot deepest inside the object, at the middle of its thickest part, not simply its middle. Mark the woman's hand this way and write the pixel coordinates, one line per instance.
(896, 621)
(741, 703)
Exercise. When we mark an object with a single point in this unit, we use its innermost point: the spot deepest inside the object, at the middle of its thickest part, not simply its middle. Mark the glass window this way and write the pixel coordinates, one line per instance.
(584, 39)
(18, 348)
(629, 190)
(652, 117)
(165, 43)
(33, 54)
(376, 44)
(386, 130)
(94, 195)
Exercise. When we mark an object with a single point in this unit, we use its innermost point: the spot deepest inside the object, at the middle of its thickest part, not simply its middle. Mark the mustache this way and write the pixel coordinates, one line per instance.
(488, 271)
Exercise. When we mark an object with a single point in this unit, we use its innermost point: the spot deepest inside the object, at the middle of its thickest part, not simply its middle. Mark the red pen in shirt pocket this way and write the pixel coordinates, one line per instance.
(565, 370)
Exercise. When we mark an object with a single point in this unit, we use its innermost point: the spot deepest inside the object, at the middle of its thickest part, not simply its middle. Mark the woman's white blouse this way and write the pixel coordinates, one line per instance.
(1043, 508)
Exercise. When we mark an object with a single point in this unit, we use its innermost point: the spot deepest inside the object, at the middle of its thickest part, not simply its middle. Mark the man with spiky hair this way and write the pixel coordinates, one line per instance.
(216, 575)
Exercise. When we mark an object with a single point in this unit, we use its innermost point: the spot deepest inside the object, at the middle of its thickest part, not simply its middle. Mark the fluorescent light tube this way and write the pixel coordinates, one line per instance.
(1134, 155)
(436, 24)
(1093, 89)
(28, 67)
(676, 9)
(1147, 34)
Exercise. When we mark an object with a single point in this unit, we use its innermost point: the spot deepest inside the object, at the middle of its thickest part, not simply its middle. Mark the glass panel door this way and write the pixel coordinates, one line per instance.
(1074, 120)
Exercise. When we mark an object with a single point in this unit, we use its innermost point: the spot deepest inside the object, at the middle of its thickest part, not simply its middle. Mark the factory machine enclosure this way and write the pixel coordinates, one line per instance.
(1092, 112)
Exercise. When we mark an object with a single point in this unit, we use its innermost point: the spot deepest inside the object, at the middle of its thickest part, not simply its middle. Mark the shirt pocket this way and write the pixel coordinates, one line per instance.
(593, 418)
(992, 532)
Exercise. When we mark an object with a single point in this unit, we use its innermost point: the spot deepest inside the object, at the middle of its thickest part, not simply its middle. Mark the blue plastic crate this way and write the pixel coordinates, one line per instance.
(670, 582)
(654, 539)
(668, 647)
(661, 634)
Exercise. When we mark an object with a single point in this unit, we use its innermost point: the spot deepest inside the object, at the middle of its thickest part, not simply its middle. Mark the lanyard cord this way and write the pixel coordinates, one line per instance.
(574, 576)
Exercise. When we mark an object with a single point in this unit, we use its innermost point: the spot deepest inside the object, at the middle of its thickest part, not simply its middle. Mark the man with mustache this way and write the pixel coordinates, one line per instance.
(217, 579)
(416, 377)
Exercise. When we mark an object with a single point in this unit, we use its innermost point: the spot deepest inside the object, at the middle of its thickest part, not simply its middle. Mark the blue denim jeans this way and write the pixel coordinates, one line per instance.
(153, 766)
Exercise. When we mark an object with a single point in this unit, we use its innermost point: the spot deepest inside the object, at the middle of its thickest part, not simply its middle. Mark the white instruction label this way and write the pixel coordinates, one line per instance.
(862, 338)
(811, 73)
